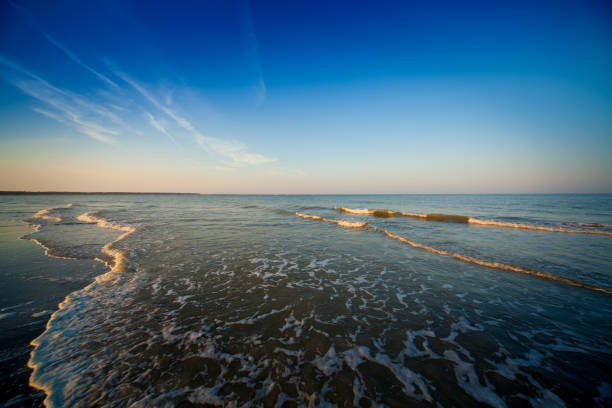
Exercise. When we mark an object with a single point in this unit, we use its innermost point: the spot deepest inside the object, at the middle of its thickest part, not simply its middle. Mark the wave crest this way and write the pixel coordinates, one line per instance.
(118, 256)
(342, 223)
(462, 219)
(467, 259)
(38, 379)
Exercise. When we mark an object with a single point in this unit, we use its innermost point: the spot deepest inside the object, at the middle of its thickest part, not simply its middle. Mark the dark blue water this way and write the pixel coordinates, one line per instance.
(233, 300)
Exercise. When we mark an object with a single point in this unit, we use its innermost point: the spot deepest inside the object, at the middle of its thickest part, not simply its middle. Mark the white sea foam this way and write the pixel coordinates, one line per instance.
(589, 228)
(469, 259)
(44, 214)
(468, 380)
(356, 211)
(325, 327)
(119, 257)
(119, 265)
(20, 305)
(342, 223)
(501, 224)
(42, 313)
(329, 363)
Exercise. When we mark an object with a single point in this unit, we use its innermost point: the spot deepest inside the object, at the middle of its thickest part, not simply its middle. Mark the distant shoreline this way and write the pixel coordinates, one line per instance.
(277, 194)
(86, 193)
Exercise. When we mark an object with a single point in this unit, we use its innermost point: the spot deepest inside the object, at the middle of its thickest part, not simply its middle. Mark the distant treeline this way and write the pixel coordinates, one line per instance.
(84, 193)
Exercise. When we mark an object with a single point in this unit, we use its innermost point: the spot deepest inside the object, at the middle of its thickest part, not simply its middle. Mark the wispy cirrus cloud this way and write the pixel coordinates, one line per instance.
(235, 151)
(48, 114)
(252, 51)
(98, 136)
(18, 68)
(76, 59)
(90, 129)
(157, 125)
(69, 108)
(67, 51)
(101, 121)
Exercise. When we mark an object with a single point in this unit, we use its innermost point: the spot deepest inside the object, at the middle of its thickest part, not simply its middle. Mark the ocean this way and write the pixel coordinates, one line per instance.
(347, 300)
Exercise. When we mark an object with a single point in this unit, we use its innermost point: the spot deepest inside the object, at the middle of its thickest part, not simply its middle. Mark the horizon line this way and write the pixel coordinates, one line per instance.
(52, 192)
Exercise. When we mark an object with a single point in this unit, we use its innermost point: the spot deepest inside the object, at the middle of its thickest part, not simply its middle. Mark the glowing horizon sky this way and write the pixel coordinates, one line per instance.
(306, 97)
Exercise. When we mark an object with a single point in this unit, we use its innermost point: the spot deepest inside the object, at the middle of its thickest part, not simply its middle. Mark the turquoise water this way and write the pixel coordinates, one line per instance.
(232, 300)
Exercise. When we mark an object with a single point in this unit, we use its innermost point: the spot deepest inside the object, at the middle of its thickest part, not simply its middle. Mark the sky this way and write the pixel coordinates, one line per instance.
(312, 97)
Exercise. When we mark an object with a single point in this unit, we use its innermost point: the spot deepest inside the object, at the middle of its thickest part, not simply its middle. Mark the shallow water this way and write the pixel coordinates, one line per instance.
(226, 300)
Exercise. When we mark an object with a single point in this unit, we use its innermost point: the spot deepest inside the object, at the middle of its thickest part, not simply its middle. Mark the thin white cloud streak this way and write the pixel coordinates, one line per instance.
(260, 91)
(252, 49)
(87, 130)
(155, 123)
(61, 46)
(250, 158)
(76, 98)
(48, 114)
(168, 98)
(236, 151)
(76, 59)
(84, 116)
(71, 109)
(69, 116)
(98, 136)
(179, 120)
(117, 107)
(16, 67)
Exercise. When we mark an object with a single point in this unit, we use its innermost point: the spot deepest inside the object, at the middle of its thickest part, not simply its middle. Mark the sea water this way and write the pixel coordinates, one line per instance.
(349, 300)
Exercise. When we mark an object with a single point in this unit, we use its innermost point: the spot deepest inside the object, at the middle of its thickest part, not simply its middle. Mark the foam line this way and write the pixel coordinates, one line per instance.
(119, 265)
(464, 258)
(383, 213)
(493, 264)
(44, 213)
(491, 223)
(49, 251)
(341, 223)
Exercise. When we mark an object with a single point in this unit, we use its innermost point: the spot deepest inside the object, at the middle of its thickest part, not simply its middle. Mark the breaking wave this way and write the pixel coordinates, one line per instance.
(44, 213)
(492, 223)
(342, 223)
(118, 256)
(463, 258)
(462, 219)
(118, 265)
(214, 318)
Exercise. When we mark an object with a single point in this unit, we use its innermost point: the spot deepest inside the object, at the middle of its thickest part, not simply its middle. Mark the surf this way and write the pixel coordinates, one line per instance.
(462, 219)
(342, 223)
(117, 265)
(44, 213)
(460, 257)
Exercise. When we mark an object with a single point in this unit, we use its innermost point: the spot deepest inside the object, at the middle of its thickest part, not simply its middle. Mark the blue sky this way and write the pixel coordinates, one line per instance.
(306, 97)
